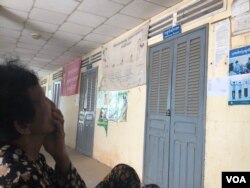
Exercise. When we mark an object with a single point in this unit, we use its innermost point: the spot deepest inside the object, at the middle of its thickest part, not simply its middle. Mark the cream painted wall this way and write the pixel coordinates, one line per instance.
(69, 106)
(124, 141)
(227, 130)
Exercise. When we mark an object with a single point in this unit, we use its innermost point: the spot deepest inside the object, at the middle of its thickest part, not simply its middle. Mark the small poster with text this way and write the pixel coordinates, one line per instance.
(71, 73)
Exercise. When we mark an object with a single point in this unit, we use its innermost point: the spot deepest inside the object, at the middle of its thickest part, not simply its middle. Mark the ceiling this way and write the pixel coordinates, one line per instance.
(67, 29)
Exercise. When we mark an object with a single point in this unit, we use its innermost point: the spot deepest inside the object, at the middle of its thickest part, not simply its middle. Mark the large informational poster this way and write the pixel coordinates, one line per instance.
(124, 61)
(239, 76)
(113, 105)
(71, 73)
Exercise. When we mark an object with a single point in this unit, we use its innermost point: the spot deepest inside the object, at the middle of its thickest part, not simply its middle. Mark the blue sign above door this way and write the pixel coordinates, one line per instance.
(175, 30)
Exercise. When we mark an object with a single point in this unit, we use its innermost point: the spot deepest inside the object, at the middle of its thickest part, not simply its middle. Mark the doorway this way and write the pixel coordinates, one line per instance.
(175, 123)
(86, 115)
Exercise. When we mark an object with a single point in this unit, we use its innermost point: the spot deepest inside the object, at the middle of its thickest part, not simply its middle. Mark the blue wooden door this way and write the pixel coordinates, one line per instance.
(174, 147)
(86, 116)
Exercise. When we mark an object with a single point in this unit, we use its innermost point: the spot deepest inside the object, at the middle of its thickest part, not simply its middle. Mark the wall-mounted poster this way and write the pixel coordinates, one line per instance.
(239, 76)
(113, 107)
(115, 103)
(124, 61)
(71, 73)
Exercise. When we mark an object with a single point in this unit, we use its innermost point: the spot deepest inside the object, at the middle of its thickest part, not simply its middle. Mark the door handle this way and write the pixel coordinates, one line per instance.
(168, 113)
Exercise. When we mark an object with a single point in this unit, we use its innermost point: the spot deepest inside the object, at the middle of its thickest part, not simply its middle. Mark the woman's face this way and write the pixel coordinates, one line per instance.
(42, 122)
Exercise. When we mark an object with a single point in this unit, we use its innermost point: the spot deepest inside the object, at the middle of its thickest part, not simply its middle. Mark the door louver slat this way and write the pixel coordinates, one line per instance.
(154, 82)
(193, 79)
(180, 78)
(163, 81)
(93, 88)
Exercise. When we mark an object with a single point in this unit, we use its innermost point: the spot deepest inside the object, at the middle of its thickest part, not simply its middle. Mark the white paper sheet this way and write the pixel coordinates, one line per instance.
(217, 86)
(240, 7)
(221, 40)
(241, 24)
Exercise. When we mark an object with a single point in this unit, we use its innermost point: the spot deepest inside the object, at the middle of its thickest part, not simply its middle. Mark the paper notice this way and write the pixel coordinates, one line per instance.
(217, 86)
(240, 7)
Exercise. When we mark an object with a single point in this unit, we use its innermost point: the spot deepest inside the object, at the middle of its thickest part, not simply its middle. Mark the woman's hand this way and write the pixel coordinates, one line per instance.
(54, 143)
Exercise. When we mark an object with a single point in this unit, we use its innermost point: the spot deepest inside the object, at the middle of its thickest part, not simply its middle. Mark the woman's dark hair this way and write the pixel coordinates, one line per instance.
(15, 101)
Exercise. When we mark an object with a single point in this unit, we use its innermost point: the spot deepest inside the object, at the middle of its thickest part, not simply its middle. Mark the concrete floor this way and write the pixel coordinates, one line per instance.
(90, 170)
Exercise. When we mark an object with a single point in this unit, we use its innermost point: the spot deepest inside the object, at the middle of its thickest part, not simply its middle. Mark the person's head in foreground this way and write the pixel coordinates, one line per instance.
(28, 121)
(25, 112)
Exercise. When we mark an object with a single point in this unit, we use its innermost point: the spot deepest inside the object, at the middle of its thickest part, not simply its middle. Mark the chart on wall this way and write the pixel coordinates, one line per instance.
(124, 61)
(239, 76)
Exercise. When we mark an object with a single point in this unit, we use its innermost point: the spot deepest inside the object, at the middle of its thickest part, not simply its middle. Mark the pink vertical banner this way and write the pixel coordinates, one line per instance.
(71, 73)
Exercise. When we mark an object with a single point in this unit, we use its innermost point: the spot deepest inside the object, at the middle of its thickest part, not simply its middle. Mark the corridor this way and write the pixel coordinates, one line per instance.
(89, 169)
